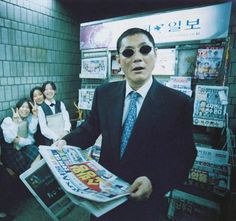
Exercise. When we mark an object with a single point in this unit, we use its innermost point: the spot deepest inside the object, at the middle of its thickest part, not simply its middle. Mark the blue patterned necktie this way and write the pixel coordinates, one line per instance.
(129, 122)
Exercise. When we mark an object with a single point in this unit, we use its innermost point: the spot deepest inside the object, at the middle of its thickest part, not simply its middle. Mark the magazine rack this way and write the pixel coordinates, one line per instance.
(209, 179)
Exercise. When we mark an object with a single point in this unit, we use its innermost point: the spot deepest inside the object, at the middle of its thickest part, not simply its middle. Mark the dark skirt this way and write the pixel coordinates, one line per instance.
(40, 139)
(19, 160)
(9, 187)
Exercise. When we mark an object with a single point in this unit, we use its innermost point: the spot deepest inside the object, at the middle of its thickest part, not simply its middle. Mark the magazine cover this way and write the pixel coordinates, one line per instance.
(208, 62)
(180, 83)
(86, 99)
(165, 62)
(94, 64)
(115, 67)
(210, 105)
(184, 207)
(211, 171)
(80, 175)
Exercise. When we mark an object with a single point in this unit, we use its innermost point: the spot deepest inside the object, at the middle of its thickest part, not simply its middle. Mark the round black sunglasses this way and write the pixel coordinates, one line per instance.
(144, 50)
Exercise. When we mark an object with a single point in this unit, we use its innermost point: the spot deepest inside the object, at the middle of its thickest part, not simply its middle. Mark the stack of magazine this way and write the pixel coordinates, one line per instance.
(86, 182)
(211, 171)
(185, 207)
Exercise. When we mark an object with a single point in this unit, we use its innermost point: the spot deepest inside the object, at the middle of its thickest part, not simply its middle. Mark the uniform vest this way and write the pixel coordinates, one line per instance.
(47, 110)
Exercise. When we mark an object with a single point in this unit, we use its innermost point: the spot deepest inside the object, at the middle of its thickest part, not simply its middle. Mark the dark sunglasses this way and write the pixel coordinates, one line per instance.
(144, 50)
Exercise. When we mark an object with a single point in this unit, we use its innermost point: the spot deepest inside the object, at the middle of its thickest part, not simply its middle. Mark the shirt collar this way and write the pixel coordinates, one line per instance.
(48, 102)
(141, 91)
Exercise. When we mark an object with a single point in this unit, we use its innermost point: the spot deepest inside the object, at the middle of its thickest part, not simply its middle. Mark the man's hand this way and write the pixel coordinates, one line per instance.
(141, 189)
(59, 143)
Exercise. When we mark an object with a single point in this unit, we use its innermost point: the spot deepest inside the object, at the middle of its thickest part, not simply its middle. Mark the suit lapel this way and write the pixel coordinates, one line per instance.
(115, 113)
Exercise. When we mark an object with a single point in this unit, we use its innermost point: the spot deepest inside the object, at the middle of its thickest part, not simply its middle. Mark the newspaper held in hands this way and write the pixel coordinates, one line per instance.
(82, 176)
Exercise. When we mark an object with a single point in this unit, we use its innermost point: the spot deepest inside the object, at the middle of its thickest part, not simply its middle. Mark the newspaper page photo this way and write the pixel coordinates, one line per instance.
(210, 105)
(82, 176)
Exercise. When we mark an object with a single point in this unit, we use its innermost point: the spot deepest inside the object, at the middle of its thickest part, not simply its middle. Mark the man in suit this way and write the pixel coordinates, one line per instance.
(156, 153)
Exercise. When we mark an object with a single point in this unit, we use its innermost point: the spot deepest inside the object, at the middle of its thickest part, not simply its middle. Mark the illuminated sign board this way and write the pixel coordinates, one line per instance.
(209, 22)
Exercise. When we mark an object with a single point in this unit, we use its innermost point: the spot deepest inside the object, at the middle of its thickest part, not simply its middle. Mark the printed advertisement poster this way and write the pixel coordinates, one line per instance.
(172, 26)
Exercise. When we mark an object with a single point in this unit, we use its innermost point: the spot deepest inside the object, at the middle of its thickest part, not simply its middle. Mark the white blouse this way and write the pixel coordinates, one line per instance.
(10, 129)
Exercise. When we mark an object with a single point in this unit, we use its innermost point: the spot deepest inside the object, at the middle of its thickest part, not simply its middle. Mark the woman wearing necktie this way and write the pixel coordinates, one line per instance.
(53, 117)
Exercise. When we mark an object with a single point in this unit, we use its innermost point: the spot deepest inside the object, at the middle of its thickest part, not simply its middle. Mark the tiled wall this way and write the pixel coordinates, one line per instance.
(231, 81)
(39, 41)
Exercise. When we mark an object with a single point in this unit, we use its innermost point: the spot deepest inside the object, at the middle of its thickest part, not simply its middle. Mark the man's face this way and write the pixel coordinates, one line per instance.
(202, 106)
(138, 67)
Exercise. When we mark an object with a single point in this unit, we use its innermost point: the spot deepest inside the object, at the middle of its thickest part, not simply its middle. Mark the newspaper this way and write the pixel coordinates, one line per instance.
(96, 208)
(211, 171)
(86, 98)
(210, 105)
(185, 206)
(94, 64)
(42, 184)
(82, 176)
(218, 157)
(180, 83)
(165, 62)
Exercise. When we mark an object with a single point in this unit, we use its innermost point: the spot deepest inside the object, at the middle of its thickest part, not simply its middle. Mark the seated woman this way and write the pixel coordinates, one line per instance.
(53, 117)
(37, 96)
(19, 151)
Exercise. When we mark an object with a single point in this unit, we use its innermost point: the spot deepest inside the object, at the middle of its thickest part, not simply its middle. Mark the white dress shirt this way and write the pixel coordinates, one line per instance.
(45, 130)
(10, 130)
(142, 94)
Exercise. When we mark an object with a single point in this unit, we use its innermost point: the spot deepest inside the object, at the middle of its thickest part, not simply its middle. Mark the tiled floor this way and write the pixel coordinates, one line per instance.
(29, 209)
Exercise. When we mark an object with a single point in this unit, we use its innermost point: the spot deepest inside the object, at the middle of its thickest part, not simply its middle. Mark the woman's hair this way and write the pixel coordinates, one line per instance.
(37, 88)
(22, 101)
(49, 82)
